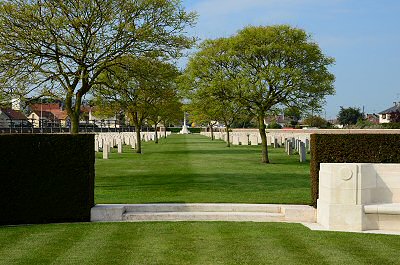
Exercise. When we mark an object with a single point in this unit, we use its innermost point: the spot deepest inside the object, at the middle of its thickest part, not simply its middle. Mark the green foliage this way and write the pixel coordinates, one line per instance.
(317, 121)
(351, 148)
(210, 92)
(144, 88)
(349, 116)
(263, 69)
(64, 46)
(394, 125)
(361, 124)
(294, 113)
(178, 129)
(46, 178)
(274, 125)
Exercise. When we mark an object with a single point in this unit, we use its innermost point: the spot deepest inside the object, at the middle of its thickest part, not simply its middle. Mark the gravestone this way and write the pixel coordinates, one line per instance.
(96, 145)
(302, 152)
(276, 145)
(289, 149)
(119, 143)
(105, 151)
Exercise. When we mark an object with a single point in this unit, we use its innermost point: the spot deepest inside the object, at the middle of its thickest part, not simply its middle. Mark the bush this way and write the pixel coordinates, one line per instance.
(351, 148)
(178, 129)
(46, 178)
(274, 125)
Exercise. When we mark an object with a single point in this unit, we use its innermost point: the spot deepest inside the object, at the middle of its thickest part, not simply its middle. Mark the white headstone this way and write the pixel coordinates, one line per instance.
(105, 151)
(119, 143)
(302, 152)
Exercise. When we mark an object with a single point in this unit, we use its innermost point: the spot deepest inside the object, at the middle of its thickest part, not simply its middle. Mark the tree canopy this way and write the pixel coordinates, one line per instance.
(349, 116)
(64, 46)
(138, 86)
(263, 69)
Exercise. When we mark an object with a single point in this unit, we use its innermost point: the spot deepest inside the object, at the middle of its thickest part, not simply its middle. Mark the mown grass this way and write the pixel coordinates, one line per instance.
(192, 168)
(191, 243)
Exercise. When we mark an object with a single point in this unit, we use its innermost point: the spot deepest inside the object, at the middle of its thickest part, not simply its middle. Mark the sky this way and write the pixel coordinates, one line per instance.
(362, 35)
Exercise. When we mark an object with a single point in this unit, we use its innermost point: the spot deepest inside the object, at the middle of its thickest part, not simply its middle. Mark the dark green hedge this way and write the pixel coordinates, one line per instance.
(351, 148)
(178, 129)
(46, 178)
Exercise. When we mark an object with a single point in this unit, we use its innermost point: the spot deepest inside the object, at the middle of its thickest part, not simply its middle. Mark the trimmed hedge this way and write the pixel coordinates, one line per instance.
(46, 178)
(351, 148)
(178, 129)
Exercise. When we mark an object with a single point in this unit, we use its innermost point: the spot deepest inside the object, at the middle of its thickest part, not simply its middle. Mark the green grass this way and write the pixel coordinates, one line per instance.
(192, 168)
(191, 243)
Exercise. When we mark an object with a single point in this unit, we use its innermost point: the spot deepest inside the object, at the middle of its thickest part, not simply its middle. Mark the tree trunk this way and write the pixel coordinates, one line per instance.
(138, 140)
(138, 128)
(264, 145)
(156, 134)
(74, 117)
(212, 132)
(228, 144)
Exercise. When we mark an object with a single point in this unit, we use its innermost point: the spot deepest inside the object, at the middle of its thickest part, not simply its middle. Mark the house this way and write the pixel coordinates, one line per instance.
(12, 118)
(384, 116)
(51, 114)
(103, 122)
(281, 119)
(372, 118)
(43, 119)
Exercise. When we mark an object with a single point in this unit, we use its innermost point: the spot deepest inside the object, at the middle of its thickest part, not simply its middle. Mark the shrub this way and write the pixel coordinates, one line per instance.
(46, 178)
(274, 125)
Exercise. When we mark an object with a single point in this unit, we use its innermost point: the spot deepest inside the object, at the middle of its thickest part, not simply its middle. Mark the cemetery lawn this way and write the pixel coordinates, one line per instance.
(191, 243)
(192, 168)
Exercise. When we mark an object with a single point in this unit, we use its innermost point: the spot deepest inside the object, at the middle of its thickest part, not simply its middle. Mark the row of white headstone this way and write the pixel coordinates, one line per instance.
(293, 145)
(246, 138)
(300, 143)
(105, 141)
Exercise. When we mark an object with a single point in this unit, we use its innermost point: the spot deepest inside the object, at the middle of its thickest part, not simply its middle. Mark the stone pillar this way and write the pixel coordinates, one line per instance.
(338, 207)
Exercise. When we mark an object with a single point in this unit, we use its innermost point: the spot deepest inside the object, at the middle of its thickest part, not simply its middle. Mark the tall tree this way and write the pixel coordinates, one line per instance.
(268, 68)
(211, 80)
(66, 45)
(281, 66)
(349, 116)
(136, 85)
(164, 108)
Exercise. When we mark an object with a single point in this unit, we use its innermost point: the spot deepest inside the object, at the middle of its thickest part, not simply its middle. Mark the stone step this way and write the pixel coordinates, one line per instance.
(203, 207)
(203, 216)
(202, 212)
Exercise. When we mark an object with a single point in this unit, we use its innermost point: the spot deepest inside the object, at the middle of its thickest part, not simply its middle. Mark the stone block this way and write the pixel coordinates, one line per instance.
(107, 213)
(340, 216)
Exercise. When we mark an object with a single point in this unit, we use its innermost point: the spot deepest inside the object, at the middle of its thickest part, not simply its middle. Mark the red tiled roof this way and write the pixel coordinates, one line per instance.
(14, 114)
(54, 108)
(45, 114)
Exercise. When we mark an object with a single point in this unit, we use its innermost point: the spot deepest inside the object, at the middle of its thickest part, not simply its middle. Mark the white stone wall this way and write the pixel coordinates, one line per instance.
(351, 194)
